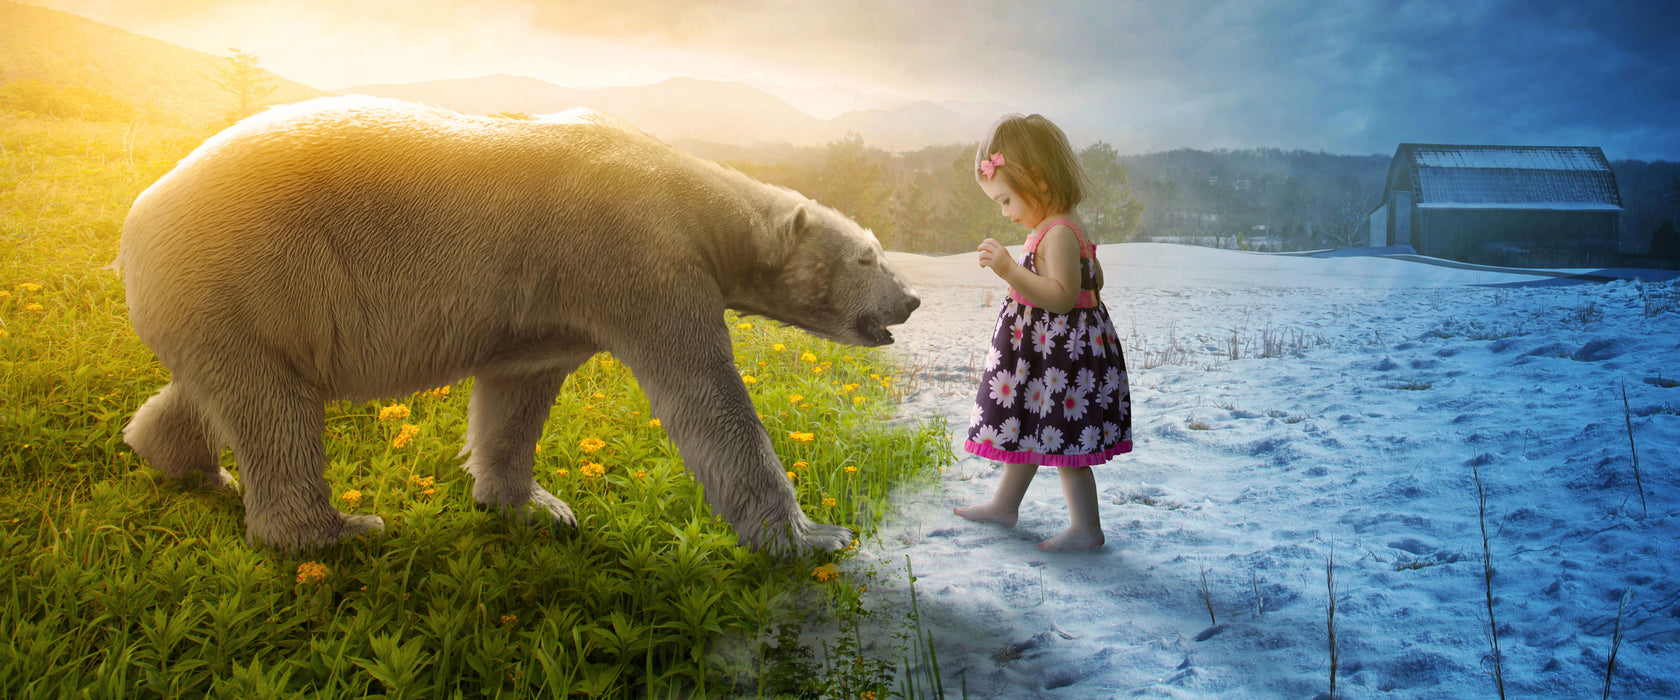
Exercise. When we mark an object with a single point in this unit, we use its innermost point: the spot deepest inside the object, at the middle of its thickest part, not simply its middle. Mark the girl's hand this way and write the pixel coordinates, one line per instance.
(993, 255)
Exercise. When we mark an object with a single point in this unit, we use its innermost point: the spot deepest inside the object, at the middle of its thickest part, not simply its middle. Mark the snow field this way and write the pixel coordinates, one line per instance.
(1355, 436)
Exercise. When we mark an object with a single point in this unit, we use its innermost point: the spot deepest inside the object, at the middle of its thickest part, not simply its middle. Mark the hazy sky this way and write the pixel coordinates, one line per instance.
(1338, 76)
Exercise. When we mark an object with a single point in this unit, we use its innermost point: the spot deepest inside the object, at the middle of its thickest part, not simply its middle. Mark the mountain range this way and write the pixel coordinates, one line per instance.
(173, 83)
(691, 109)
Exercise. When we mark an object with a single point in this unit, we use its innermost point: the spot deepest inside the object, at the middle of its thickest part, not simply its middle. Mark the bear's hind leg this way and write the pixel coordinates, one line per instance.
(275, 422)
(170, 432)
(504, 421)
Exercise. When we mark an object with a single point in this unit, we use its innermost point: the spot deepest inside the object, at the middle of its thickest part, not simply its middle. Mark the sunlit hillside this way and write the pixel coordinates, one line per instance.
(161, 80)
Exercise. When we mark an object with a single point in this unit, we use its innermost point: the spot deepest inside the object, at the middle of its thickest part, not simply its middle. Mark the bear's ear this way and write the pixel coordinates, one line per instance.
(793, 223)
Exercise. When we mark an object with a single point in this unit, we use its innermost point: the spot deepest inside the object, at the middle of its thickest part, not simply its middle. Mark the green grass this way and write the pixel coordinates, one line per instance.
(122, 584)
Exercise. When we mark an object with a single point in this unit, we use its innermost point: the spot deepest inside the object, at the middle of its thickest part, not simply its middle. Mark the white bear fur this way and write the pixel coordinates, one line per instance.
(360, 248)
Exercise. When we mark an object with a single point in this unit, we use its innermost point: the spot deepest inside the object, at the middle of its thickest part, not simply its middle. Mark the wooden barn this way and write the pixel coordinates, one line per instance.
(1515, 206)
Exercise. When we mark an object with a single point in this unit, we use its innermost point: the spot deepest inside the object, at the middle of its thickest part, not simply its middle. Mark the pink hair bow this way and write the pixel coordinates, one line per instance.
(989, 166)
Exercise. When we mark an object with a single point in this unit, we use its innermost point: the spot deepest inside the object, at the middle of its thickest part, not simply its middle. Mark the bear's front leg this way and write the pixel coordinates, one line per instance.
(698, 396)
(504, 421)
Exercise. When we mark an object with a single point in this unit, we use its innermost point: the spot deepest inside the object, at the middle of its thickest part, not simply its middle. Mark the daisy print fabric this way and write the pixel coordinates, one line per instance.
(1053, 389)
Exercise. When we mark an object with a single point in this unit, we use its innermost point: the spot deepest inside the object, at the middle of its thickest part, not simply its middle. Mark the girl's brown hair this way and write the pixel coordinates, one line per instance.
(1035, 150)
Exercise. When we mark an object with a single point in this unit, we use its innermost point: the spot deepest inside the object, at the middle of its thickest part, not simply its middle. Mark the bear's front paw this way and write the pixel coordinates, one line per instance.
(555, 507)
(825, 538)
(809, 537)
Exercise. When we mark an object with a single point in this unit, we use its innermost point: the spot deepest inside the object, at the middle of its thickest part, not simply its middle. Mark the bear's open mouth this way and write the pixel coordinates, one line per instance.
(871, 330)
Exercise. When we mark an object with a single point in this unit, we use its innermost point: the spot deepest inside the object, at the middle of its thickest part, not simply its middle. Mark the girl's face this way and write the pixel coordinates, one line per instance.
(1017, 209)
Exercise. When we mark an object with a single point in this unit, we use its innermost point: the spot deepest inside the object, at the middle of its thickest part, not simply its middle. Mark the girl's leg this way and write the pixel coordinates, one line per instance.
(1079, 487)
(1005, 507)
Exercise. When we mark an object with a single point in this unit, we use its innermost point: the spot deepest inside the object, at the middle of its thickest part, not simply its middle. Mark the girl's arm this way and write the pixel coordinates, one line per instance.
(1056, 287)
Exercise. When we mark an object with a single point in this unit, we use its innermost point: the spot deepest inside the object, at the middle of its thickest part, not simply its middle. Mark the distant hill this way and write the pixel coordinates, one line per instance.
(160, 79)
(690, 109)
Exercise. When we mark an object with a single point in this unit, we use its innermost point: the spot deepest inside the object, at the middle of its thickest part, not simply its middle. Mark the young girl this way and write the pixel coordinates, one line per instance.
(1054, 388)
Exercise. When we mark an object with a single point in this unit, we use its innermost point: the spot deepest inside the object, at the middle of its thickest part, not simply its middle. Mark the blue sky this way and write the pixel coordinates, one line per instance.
(1342, 77)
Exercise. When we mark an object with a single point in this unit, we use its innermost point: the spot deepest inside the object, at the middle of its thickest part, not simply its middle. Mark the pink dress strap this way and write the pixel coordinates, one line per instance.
(1087, 298)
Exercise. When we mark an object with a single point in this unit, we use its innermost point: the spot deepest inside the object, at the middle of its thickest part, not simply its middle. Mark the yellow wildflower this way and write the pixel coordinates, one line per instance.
(792, 476)
(851, 469)
(801, 437)
(639, 473)
(393, 412)
(312, 572)
(438, 393)
(653, 423)
(5, 294)
(591, 445)
(800, 465)
(592, 469)
(744, 326)
(508, 620)
(598, 395)
(29, 286)
(4, 334)
(352, 497)
(748, 379)
(778, 347)
(762, 363)
(849, 388)
(32, 307)
(562, 471)
(826, 572)
(795, 398)
(405, 435)
(858, 400)
(589, 407)
(828, 501)
(808, 357)
(816, 370)
(607, 361)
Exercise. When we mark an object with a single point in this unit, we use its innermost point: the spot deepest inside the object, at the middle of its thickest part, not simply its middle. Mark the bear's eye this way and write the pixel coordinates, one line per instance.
(867, 260)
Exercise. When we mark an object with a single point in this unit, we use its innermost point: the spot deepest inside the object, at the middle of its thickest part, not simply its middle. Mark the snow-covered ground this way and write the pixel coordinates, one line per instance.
(1398, 377)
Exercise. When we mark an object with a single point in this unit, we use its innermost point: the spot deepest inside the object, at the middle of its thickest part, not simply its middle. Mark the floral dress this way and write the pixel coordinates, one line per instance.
(1054, 390)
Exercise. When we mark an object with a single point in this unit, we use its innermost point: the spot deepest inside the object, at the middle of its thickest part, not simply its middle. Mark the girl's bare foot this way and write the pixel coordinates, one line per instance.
(1072, 540)
(988, 512)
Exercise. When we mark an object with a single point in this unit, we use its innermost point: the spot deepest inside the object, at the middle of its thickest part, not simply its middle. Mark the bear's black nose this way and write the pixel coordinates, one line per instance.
(911, 304)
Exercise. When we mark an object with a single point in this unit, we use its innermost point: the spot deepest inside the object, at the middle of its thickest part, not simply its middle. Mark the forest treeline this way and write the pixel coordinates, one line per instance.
(926, 201)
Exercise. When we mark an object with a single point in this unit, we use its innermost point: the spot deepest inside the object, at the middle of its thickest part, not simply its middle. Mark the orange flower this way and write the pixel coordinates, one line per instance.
(792, 476)
(393, 412)
(312, 572)
(591, 445)
(801, 437)
(808, 357)
(825, 573)
(405, 435)
(352, 497)
(654, 423)
(592, 469)
(828, 501)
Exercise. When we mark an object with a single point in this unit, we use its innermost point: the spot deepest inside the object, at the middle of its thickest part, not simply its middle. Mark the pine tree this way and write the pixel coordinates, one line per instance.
(246, 83)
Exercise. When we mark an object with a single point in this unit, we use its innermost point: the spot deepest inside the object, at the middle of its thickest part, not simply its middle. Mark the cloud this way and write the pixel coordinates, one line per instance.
(1342, 77)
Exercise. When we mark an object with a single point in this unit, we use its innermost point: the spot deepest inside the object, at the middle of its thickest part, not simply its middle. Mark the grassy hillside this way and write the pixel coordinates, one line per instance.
(125, 585)
(163, 81)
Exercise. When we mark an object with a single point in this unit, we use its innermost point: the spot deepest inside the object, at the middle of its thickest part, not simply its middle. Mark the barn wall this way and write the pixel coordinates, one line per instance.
(1522, 238)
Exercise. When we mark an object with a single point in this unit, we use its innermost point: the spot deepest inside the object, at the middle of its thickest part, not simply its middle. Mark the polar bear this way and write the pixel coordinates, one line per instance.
(360, 248)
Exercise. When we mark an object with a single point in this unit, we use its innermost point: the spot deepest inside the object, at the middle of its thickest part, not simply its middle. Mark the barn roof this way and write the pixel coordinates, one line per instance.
(1505, 177)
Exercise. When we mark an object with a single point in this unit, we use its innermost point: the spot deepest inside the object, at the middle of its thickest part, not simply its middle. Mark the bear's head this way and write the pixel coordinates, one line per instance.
(828, 275)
